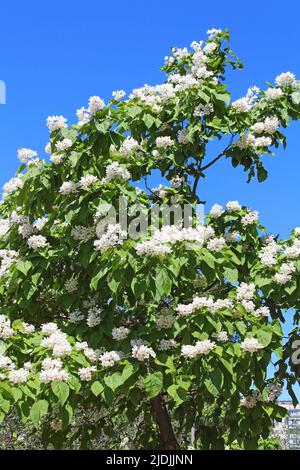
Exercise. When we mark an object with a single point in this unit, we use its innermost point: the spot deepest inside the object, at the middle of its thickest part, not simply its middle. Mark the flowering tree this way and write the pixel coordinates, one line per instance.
(169, 331)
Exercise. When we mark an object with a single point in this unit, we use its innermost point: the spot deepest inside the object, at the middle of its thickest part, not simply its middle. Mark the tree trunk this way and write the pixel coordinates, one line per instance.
(167, 436)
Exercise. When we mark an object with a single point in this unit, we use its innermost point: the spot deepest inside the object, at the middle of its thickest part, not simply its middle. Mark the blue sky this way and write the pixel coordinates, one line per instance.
(55, 55)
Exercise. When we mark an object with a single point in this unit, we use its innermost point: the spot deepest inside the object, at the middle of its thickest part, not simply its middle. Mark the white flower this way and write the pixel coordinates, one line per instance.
(222, 336)
(95, 104)
(284, 79)
(273, 93)
(213, 33)
(18, 376)
(48, 148)
(76, 316)
(54, 123)
(252, 218)
(83, 233)
(233, 206)
(71, 285)
(271, 125)
(201, 347)
(57, 159)
(129, 146)
(40, 223)
(68, 187)
(165, 320)
(182, 136)
(6, 363)
(216, 244)
(251, 345)
(285, 273)
(202, 110)
(120, 333)
(258, 127)
(262, 142)
(245, 291)
(94, 317)
(56, 424)
(49, 328)
(109, 359)
(166, 344)
(86, 181)
(262, 312)
(12, 185)
(216, 211)
(245, 141)
(113, 236)
(26, 230)
(141, 352)
(37, 241)
(118, 94)
(28, 328)
(164, 142)
(57, 341)
(26, 154)
(52, 374)
(248, 305)
(116, 171)
(85, 373)
(63, 144)
(150, 248)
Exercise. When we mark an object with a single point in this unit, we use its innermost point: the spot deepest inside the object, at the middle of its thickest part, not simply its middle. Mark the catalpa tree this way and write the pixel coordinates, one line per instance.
(171, 331)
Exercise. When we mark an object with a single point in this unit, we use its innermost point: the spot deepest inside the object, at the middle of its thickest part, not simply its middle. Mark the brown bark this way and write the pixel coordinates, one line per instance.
(167, 436)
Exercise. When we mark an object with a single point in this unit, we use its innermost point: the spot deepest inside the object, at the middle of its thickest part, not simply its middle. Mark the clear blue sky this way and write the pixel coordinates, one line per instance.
(54, 55)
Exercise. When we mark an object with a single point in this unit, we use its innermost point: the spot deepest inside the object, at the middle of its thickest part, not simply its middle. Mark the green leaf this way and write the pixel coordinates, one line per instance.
(23, 266)
(296, 97)
(264, 336)
(61, 390)
(214, 382)
(153, 384)
(97, 388)
(38, 410)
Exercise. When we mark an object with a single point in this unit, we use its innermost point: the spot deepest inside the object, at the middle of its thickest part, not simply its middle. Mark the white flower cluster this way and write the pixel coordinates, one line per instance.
(27, 328)
(64, 144)
(201, 348)
(216, 244)
(243, 105)
(56, 340)
(164, 142)
(269, 126)
(8, 257)
(12, 185)
(68, 187)
(129, 146)
(285, 273)
(85, 115)
(79, 232)
(251, 218)
(251, 345)
(165, 319)
(37, 241)
(113, 236)
(52, 370)
(182, 137)
(275, 390)
(262, 312)
(202, 110)
(71, 285)
(250, 400)
(18, 376)
(54, 123)
(245, 291)
(222, 336)
(118, 94)
(76, 316)
(268, 253)
(141, 351)
(216, 211)
(285, 79)
(233, 206)
(200, 303)
(94, 317)
(172, 234)
(25, 155)
(273, 93)
(293, 251)
(86, 182)
(166, 344)
(5, 328)
(85, 373)
(120, 333)
(115, 171)
(109, 359)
